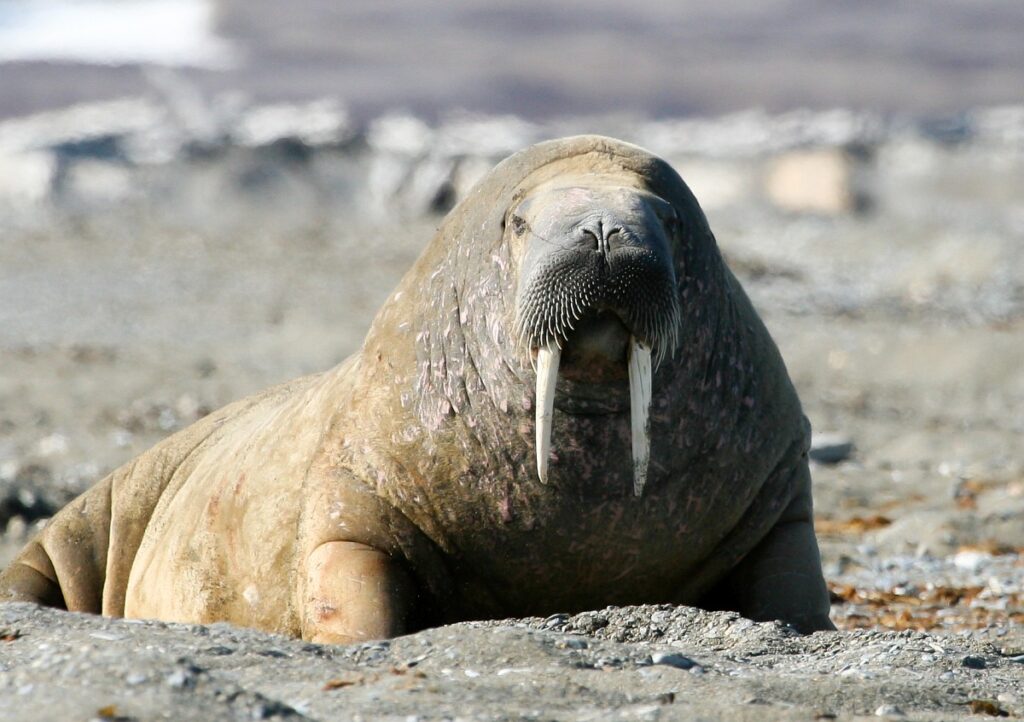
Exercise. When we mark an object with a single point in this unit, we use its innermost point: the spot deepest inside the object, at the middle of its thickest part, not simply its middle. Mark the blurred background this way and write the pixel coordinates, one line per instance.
(201, 198)
(534, 59)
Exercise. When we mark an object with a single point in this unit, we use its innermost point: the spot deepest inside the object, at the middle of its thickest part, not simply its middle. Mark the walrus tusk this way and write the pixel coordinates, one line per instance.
(639, 401)
(640, 407)
(547, 375)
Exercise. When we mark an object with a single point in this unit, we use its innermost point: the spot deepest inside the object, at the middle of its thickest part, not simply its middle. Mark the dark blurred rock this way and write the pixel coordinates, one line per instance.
(830, 448)
(25, 495)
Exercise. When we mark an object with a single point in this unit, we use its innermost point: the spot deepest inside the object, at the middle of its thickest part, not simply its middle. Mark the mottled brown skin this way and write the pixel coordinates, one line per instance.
(399, 490)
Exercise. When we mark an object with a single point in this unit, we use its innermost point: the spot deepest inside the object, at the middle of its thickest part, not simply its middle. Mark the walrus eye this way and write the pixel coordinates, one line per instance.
(518, 224)
(672, 223)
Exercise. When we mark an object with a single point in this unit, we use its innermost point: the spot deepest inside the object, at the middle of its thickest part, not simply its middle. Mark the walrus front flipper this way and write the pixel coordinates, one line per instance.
(31, 578)
(781, 577)
(64, 565)
(354, 593)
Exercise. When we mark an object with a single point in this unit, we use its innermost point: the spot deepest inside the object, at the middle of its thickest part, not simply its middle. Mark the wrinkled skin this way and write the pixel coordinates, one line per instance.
(399, 490)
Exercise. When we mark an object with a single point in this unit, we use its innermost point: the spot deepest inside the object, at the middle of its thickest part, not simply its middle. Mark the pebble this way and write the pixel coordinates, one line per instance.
(181, 679)
(53, 445)
(971, 561)
(972, 661)
(556, 620)
(888, 710)
(9, 469)
(673, 659)
(106, 636)
(830, 448)
(571, 643)
(121, 438)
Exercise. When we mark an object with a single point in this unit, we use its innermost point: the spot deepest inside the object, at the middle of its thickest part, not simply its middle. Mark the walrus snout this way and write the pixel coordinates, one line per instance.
(597, 283)
(592, 250)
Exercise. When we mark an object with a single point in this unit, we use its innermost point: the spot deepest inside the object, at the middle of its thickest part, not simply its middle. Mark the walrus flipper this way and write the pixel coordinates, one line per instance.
(353, 593)
(781, 577)
(31, 578)
(64, 566)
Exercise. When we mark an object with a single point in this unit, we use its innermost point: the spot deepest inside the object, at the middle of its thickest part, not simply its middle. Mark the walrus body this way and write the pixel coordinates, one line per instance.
(411, 486)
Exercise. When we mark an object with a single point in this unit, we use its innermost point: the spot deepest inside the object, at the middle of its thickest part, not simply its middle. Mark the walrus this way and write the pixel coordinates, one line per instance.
(567, 403)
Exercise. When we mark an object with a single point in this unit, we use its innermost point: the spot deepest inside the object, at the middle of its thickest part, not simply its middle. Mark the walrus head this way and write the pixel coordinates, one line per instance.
(588, 257)
(597, 294)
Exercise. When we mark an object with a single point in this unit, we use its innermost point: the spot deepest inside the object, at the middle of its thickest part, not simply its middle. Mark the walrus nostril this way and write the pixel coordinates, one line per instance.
(598, 236)
(591, 239)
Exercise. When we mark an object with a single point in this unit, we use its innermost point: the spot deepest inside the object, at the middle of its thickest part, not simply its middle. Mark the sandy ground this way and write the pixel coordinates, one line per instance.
(903, 330)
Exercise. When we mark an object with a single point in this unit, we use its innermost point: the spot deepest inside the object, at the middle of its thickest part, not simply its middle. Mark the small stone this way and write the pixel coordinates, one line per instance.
(556, 620)
(218, 650)
(135, 678)
(672, 659)
(121, 438)
(167, 419)
(571, 643)
(972, 661)
(266, 710)
(27, 177)
(96, 182)
(52, 445)
(106, 636)
(9, 469)
(888, 710)
(817, 181)
(830, 448)
(1006, 698)
(181, 679)
(970, 560)
(187, 407)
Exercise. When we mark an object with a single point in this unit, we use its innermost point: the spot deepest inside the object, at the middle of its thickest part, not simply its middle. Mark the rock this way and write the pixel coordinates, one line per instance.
(318, 123)
(80, 125)
(972, 661)
(89, 183)
(184, 678)
(817, 181)
(55, 444)
(26, 177)
(830, 448)
(971, 560)
(718, 183)
(672, 659)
